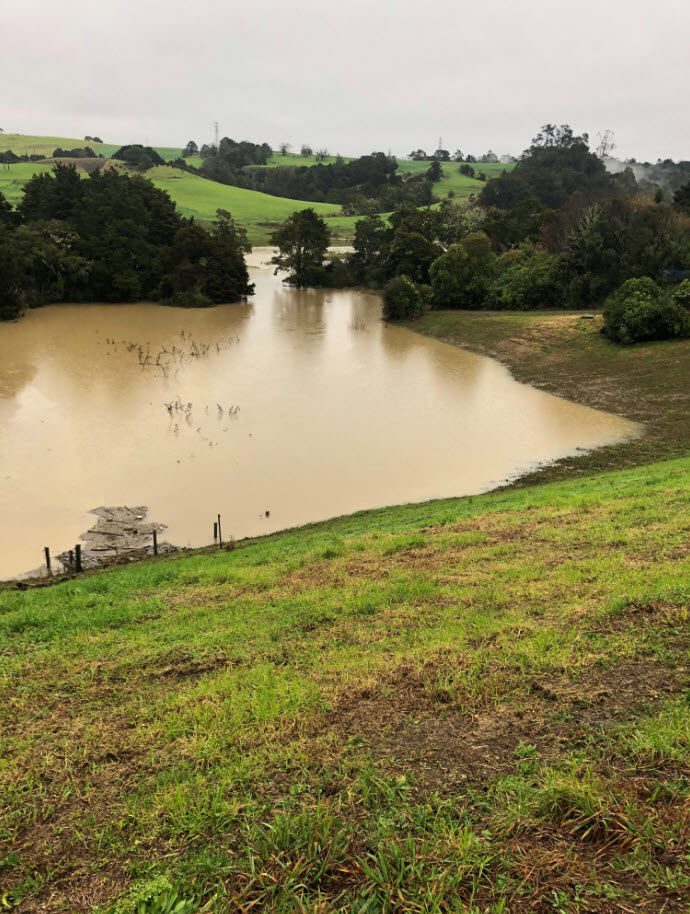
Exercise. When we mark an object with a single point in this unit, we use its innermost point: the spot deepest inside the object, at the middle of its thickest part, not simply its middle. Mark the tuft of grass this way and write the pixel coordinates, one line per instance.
(664, 739)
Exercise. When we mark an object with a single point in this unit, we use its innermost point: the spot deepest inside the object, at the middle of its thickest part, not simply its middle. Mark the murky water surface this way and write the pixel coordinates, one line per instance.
(337, 412)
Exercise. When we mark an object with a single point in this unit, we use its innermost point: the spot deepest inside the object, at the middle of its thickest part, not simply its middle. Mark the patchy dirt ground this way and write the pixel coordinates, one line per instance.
(412, 719)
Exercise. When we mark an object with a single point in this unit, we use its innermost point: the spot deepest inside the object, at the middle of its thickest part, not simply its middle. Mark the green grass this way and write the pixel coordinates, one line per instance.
(46, 145)
(474, 704)
(294, 159)
(452, 181)
(13, 179)
(261, 214)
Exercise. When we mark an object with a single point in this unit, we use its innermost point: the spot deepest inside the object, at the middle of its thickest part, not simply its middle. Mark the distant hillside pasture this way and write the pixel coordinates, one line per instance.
(13, 179)
(294, 159)
(259, 213)
(453, 181)
(46, 146)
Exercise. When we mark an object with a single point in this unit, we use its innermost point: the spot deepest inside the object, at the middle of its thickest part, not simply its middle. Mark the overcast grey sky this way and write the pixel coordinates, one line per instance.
(353, 76)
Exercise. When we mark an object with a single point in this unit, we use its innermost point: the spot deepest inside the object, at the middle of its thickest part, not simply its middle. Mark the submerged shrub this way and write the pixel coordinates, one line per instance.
(639, 311)
(401, 300)
(191, 299)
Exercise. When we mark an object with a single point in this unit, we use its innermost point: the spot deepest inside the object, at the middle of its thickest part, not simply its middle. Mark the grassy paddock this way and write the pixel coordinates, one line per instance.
(46, 145)
(466, 705)
(261, 214)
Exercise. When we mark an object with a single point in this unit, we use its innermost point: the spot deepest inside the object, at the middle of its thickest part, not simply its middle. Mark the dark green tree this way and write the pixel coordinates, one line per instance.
(462, 277)
(53, 195)
(434, 172)
(7, 213)
(681, 198)
(401, 300)
(302, 243)
(371, 235)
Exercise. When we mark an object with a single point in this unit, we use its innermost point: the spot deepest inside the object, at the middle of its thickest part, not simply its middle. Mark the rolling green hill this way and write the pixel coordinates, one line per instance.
(259, 213)
(467, 705)
(13, 179)
(46, 145)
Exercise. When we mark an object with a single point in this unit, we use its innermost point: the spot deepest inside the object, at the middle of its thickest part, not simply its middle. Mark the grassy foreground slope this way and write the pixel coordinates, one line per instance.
(467, 705)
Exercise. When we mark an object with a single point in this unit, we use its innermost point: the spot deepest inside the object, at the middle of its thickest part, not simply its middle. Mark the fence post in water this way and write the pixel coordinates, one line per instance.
(71, 559)
(220, 535)
(155, 543)
(77, 551)
(47, 552)
(215, 530)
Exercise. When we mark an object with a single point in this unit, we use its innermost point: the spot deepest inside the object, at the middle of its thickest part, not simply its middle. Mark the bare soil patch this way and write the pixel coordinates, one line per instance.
(445, 746)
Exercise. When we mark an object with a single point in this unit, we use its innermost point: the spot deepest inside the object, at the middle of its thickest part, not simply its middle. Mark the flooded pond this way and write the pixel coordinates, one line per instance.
(138, 404)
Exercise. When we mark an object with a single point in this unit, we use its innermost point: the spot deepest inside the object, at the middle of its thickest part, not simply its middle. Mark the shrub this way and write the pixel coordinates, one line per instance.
(188, 299)
(681, 295)
(639, 311)
(531, 279)
(401, 300)
(462, 277)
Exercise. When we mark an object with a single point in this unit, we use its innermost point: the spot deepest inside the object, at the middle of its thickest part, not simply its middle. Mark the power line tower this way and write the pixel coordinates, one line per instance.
(215, 131)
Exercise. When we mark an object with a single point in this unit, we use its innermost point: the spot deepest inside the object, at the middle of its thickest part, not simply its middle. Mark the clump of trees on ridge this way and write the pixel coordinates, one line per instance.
(369, 184)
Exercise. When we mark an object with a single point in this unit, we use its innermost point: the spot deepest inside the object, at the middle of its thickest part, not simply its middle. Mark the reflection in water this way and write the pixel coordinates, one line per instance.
(337, 412)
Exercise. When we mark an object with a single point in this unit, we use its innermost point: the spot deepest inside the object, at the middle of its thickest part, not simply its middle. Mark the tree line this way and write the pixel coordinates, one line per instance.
(368, 184)
(558, 231)
(113, 237)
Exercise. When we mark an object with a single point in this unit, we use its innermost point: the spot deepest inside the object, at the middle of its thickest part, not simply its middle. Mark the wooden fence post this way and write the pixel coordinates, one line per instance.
(47, 552)
(155, 543)
(220, 535)
(77, 552)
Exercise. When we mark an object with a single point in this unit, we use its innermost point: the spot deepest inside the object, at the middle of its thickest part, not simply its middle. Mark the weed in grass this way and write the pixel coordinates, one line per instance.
(663, 739)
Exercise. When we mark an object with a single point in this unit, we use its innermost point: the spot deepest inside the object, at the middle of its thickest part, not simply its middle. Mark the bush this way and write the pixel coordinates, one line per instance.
(188, 299)
(401, 300)
(531, 280)
(463, 276)
(681, 295)
(639, 311)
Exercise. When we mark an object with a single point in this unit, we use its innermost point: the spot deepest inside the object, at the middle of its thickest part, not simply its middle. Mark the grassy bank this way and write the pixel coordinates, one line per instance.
(566, 354)
(467, 705)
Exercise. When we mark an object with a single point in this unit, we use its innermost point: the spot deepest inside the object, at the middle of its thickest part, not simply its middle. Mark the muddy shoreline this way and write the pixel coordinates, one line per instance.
(564, 353)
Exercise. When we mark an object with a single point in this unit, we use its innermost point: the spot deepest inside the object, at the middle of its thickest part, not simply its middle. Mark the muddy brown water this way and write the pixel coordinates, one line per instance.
(337, 412)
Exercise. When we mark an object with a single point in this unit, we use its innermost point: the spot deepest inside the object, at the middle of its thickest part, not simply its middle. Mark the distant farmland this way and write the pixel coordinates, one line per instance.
(259, 213)
(195, 196)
